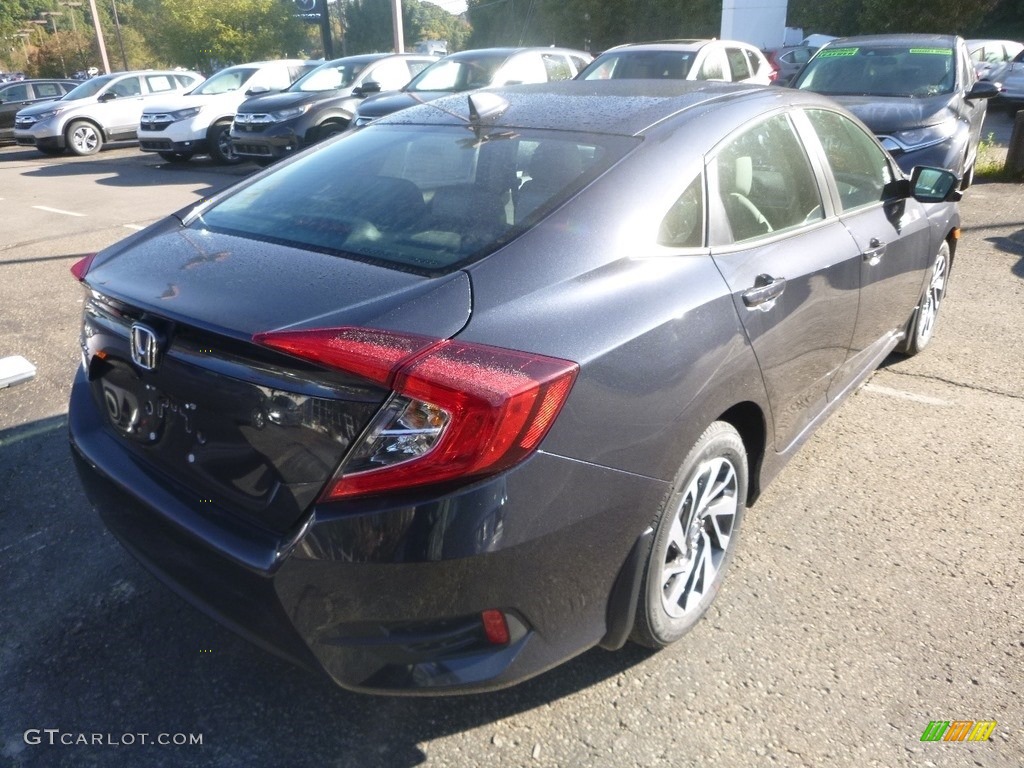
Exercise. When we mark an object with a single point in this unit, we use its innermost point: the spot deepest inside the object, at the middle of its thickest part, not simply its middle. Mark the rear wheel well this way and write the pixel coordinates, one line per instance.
(748, 419)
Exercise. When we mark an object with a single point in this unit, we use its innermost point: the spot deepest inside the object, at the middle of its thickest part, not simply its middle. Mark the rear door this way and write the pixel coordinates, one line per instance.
(792, 267)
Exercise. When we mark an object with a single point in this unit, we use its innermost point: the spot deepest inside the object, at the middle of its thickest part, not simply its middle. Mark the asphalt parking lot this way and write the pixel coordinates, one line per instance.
(878, 585)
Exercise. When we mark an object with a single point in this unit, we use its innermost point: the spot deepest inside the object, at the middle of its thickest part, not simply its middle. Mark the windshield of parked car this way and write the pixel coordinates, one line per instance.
(456, 75)
(329, 77)
(907, 71)
(633, 65)
(224, 81)
(416, 198)
(88, 88)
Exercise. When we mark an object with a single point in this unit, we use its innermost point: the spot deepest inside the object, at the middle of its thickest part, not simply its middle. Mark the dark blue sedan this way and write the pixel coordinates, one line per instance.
(441, 403)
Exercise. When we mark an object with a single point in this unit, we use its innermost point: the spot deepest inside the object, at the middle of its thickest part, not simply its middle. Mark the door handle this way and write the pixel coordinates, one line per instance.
(875, 252)
(764, 293)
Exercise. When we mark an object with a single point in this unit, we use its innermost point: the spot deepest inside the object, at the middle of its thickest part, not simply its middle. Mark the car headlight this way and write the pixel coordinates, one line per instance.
(288, 114)
(43, 115)
(184, 114)
(919, 138)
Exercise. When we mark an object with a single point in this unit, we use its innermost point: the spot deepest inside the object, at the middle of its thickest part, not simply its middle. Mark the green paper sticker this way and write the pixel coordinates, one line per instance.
(932, 51)
(836, 53)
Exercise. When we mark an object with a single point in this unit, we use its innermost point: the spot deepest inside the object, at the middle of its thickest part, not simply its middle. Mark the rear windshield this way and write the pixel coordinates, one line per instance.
(637, 65)
(423, 198)
(907, 71)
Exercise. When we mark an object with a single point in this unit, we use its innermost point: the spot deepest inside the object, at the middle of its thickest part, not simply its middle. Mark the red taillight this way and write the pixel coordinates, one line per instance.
(460, 410)
(81, 267)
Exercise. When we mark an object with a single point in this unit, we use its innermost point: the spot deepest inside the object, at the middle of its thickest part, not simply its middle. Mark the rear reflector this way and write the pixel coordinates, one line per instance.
(495, 627)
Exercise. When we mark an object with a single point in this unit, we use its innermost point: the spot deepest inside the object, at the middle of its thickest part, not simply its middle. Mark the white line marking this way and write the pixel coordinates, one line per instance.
(133, 226)
(58, 210)
(880, 390)
(22, 541)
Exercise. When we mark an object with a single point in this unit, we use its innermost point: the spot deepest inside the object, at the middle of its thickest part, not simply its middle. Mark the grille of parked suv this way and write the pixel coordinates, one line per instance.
(158, 144)
(251, 149)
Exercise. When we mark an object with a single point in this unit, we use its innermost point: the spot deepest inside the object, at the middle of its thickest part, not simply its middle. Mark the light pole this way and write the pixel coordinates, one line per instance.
(60, 50)
(74, 30)
(99, 36)
(120, 40)
(23, 34)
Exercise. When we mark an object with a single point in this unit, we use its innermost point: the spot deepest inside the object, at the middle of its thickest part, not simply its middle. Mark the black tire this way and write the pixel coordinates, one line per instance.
(694, 539)
(921, 327)
(83, 138)
(176, 157)
(219, 143)
(327, 130)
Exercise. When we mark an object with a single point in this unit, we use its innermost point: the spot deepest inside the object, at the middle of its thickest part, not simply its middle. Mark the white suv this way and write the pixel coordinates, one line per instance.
(723, 60)
(199, 122)
(102, 109)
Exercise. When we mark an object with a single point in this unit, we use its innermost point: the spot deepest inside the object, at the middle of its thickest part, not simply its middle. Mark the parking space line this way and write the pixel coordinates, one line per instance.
(58, 210)
(136, 227)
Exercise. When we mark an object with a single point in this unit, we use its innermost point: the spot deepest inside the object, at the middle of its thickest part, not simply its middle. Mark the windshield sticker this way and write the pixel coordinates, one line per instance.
(836, 53)
(932, 51)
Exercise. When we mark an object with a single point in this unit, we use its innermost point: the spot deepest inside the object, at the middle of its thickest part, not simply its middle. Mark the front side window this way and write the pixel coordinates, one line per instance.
(329, 77)
(126, 88)
(225, 81)
(557, 67)
(392, 74)
(859, 165)
(765, 181)
(16, 93)
(416, 198)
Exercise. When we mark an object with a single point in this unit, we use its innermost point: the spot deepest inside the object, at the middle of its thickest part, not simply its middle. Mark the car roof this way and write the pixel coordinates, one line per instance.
(623, 107)
(477, 53)
(895, 40)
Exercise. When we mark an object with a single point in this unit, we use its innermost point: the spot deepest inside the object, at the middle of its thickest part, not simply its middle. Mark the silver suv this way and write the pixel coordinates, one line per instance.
(100, 110)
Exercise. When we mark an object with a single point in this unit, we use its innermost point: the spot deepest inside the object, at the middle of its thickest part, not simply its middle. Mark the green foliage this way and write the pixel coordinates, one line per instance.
(368, 27)
(589, 24)
(969, 18)
(208, 35)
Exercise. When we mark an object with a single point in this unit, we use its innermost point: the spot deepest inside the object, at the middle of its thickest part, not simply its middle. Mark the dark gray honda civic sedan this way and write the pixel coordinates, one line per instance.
(444, 402)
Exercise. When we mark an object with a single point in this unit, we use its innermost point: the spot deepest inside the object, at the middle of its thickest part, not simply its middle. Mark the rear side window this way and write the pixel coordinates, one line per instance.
(860, 167)
(158, 83)
(557, 66)
(48, 89)
(713, 67)
(683, 225)
(737, 64)
(414, 198)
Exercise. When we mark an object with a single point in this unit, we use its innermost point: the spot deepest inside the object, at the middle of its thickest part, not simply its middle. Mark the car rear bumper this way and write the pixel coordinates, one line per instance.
(386, 595)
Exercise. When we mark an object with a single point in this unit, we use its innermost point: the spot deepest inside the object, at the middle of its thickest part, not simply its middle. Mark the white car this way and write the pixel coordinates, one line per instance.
(199, 122)
(991, 58)
(725, 60)
(100, 110)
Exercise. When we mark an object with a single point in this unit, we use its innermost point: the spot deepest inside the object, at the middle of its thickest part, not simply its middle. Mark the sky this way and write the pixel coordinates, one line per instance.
(452, 6)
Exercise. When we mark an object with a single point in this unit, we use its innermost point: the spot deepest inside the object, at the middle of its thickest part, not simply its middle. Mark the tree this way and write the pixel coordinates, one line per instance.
(208, 35)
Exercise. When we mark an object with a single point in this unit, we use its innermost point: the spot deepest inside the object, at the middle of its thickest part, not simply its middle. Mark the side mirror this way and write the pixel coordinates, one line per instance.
(983, 89)
(108, 96)
(370, 86)
(257, 90)
(934, 185)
